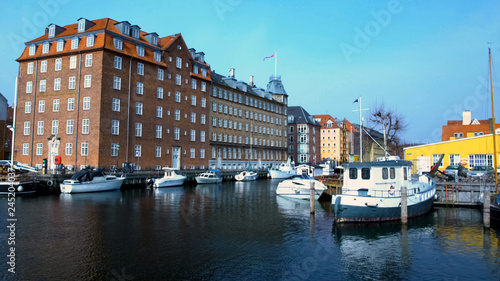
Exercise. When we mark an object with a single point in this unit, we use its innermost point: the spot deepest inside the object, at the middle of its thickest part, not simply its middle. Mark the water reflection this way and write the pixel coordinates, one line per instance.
(237, 231)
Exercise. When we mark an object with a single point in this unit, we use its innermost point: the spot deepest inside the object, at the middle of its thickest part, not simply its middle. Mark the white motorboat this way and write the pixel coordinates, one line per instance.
(17, 180)
(171, 178)
(285, 170)
(371, 192)
(299, 187)
(91, 181)
(246, 176)
(210, 176)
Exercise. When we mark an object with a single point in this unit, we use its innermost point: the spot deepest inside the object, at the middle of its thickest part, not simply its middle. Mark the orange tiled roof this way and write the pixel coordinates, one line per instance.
(325, 118)
(102, 40)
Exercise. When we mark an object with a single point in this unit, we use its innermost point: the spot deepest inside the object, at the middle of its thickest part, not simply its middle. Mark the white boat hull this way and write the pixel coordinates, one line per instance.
(91, 186)
(300, 189)
(208, 180)
(277, 174)
(167, 183)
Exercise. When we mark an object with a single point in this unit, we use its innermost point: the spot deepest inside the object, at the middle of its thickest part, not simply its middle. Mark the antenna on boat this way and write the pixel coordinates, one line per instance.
(358, 100)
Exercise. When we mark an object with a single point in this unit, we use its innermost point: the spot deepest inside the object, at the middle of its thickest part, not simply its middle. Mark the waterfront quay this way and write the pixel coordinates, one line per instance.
(50, 182)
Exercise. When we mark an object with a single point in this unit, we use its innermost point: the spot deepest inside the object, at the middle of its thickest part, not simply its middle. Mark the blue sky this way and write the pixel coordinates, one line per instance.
(427, 60)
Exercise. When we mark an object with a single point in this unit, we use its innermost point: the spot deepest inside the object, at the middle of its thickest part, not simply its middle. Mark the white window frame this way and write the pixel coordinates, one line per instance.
(88, 60)
(69, 126)
(115, 105)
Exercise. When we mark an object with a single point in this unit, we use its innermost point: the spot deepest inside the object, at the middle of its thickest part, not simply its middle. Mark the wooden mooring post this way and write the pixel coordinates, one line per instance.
(486, 206)
(404, 205)
(312, 197)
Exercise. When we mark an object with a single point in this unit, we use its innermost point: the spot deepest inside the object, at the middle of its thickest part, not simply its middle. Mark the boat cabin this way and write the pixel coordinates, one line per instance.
(383, 178)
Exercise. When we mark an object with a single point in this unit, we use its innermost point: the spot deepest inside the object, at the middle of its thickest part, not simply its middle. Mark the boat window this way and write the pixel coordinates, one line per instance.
(353, 173)
(405, 173)
(385, 173)
(365, 173)
(393, 173)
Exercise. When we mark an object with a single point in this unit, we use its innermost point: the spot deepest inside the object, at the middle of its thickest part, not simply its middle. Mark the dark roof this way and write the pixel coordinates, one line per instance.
(373, 133)
(301, 116)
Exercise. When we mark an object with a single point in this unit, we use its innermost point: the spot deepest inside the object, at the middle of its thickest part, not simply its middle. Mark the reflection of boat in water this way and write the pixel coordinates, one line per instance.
(102, 197)
(210, 176)
(372, 192)
(299, 187)
(20, 179)
(171, 178)
(91, 181)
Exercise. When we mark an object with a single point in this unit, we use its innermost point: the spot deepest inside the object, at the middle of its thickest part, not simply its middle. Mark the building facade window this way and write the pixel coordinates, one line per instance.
(69, 149)
(161, 74)
(178, 79)
(26, 128)
(140, 68)
(138, 129)
(159, 111)
(158, 131)
(87, 82)
(60, 45)
(57, 84)
(85, 126)
(72, 83)
(85, 149)
(115, 106)
(159, 92)
(140, 51)
(27, 107)
(39, 128)
(30, 68)
(71, 104)
(118, 43)
(138, 108)
(90, 40)
(39, 148)
(55, 105)
(157, 151)
(26, 149)
(41, 106)
(43, 83)
(117, 83)
(69, 127)
(29, 87)
(88, 60)
(140, 88)
(115, 127)
(118, 62)
(86, 103)
(74, 43)
(55, 127)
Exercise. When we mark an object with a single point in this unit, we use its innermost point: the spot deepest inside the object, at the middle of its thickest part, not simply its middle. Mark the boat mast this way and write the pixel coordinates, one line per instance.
(495, 156)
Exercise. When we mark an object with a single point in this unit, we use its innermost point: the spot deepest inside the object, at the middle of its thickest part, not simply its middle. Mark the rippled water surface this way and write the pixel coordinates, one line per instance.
(236, 231)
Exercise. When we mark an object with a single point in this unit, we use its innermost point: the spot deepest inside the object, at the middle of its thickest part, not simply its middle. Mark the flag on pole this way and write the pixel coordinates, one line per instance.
(355, 101)
(269, 57)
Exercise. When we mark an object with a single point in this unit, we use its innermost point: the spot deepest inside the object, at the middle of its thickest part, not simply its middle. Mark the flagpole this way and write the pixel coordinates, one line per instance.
(360, 132)
(275, 64)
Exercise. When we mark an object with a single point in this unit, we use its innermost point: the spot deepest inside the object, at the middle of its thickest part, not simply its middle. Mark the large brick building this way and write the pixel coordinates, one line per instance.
(248, 124)
(303, 136)
(104, 92)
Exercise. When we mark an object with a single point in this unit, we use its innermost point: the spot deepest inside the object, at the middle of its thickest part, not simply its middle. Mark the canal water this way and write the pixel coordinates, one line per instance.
(235, 231)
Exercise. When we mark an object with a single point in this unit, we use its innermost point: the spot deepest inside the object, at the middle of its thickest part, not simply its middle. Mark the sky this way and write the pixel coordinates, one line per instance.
(426, 60)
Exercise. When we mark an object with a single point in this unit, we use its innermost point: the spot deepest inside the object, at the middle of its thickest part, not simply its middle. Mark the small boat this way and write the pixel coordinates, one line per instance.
(91, 181)
(171, 178)
(210, 176)
(246, 176)
(299, 187)
(285, 170)
(371, 192)
(18, 180)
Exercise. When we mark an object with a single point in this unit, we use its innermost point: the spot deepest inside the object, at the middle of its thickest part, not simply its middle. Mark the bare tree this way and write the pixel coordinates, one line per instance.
(390, 121)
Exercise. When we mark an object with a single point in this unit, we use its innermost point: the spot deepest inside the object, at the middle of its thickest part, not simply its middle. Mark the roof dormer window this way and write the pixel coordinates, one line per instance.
(60, 45)
(140, 51)
(45, 48)
(74, 43)
(81, 25)
(155, 40)
(135, 31)
(90, 40)
(157, 56)
(52, 31)
(126, 29)
(118, 43)
(32, 50)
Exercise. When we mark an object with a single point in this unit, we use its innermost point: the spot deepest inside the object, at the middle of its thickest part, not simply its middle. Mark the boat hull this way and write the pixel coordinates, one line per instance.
(376, 209)
(300, 189)
(91, 186)
(168, 183)
(207, 180)
(495, 212)
(18, 188)
(276, 174)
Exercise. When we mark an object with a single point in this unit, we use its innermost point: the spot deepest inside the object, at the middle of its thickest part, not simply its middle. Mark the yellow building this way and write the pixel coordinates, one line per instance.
(469, 152)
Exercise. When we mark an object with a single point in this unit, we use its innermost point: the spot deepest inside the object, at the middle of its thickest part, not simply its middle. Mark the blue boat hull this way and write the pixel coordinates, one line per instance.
(347, 213)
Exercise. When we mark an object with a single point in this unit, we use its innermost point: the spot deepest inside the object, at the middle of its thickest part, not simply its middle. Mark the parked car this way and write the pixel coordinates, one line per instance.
(454, 170)
(481, 171)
